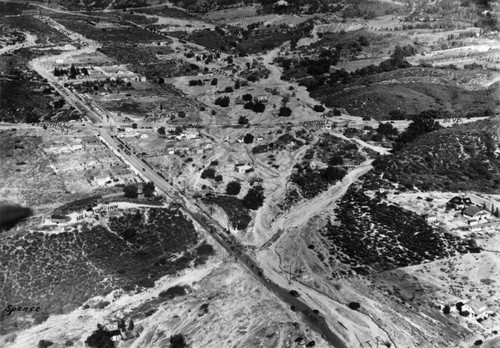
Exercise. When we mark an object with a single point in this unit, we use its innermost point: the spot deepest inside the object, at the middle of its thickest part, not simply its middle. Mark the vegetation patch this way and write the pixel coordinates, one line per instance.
(238, 214)
(456, 159)
(61, 271)
(371, 235)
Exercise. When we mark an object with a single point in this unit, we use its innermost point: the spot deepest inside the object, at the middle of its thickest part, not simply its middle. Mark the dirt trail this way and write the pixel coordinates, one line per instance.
(29, 42)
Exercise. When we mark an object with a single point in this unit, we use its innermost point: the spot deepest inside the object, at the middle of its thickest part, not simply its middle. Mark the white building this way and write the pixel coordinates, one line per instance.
(243, 168)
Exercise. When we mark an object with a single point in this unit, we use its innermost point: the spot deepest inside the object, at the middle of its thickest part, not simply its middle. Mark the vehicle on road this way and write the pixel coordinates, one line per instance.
(294, 293)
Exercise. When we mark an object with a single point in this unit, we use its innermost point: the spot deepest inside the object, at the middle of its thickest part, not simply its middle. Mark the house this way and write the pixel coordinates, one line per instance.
(199, 150)
(327, 126)
(243, 168)
(317, 165)
(208, 146)
(171, 150)
(239, 139)
(190, 134)
(261, 98)
(144, 136)
(476, 306)
(458, 203)
(476, 215)
(260, 139)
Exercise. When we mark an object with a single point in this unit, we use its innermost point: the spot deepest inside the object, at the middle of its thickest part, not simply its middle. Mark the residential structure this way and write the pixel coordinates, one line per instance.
(458, 203)
(476, 215)
(476, 306)
(243, 168)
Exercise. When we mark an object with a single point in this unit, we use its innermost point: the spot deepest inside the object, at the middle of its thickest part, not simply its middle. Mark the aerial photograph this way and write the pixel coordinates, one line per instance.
(250, 173)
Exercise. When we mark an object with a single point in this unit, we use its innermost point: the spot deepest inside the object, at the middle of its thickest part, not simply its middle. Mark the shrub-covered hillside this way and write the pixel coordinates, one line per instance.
(453, 159)
(60, 271)
(371, 235)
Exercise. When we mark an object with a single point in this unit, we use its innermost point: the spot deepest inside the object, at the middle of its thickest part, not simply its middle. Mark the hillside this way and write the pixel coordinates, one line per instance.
(454, 159)
(410, 91)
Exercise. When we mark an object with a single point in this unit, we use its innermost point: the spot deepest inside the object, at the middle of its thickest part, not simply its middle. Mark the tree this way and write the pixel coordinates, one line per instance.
(131, 191)
(44, 344)
(319, 108)
(130, 325)
(418, 127)
(214, 82)
(248, 139)
(222, 101)
(354, 305)
(254, 198)
(446, 309)
(259, 107)
(233, 188)
(161, 80)
(363, 41)
(387, 129)
(129, 233)
(218, 178)
(247, 97)
(73, 72)
(336, 160)
(161, 130)
(285, 111)
(208, 173)
(148, 189)
(134, 125)
(177, 341)
(242, 120)
(333, 174)
(100, 339)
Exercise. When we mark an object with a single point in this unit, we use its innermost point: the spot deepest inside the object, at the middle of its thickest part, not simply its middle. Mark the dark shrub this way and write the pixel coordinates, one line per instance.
(205, 249)
(233, 188)
(44, 343)
(176, 290)
(208, 173)
(354, 305)
(177, 341)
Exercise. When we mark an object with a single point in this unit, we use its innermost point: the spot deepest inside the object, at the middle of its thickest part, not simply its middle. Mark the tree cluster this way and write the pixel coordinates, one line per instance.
(254, 198)
(222, 101)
